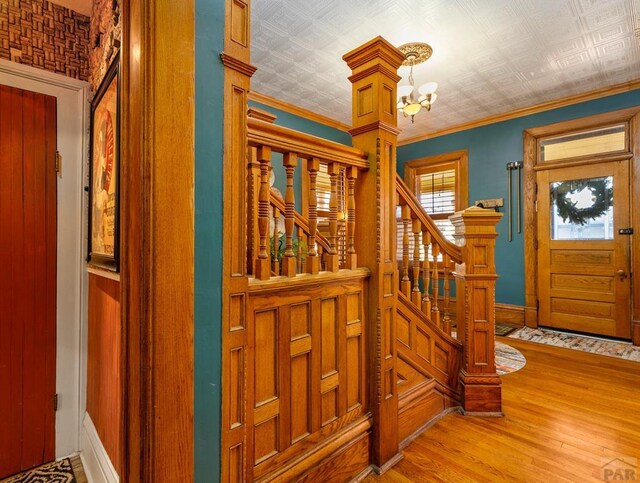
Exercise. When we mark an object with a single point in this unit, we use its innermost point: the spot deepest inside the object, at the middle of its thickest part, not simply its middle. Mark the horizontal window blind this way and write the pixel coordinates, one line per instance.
(437, 191)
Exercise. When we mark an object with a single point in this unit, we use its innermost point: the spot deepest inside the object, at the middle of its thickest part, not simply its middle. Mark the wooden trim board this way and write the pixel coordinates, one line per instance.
(297, 110)
(527, 111)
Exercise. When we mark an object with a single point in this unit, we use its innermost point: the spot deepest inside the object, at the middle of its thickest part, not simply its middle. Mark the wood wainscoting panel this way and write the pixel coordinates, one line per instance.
(306, 373)
(104, 373)
(428, 363)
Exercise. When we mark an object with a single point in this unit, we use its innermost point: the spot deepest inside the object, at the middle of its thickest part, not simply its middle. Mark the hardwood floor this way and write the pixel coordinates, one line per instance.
(567, 413)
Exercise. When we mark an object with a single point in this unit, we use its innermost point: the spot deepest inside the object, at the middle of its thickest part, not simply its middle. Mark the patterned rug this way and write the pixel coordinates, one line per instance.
(508, 359)
(56, 472)
(502, 329)
(622, 350)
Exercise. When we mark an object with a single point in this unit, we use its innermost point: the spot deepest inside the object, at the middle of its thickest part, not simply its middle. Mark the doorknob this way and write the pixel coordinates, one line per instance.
(622, 274)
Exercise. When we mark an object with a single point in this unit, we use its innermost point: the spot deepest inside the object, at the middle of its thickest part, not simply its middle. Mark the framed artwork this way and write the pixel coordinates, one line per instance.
(104, 167)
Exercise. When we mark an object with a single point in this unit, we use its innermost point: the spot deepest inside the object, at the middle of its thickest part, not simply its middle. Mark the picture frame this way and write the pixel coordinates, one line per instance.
(104, 173)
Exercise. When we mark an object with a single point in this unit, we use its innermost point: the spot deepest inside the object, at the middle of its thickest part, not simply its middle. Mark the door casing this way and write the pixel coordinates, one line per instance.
(531, 139)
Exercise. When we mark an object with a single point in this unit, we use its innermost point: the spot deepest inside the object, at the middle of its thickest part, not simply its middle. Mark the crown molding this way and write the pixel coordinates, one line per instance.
(297, 111)
(526, 111)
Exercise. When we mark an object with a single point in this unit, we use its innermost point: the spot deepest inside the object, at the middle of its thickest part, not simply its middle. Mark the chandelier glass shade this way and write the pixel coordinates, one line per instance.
(410, 103)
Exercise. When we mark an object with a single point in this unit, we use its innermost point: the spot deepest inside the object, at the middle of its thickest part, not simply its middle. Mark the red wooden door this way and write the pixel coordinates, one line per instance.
(27, 279)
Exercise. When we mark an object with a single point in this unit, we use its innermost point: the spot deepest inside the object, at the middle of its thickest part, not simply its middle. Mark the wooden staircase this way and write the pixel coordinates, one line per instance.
(337, 351)
(429, 355)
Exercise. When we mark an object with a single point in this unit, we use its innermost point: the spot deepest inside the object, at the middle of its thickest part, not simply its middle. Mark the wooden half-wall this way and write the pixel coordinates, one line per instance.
(104, 366)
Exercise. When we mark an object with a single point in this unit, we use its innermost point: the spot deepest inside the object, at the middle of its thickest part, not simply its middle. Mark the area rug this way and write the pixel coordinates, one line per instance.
(503, 330)
(622, 350)
(508, 359)
(56, 472)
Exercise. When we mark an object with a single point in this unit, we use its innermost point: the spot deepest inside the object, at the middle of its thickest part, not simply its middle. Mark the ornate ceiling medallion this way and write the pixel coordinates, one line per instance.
(415, 53)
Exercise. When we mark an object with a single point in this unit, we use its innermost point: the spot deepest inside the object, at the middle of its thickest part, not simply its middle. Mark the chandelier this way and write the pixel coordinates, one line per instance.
(415, 53)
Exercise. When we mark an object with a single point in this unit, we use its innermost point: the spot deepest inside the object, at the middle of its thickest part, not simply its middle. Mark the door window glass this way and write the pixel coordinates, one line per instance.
(582, 209)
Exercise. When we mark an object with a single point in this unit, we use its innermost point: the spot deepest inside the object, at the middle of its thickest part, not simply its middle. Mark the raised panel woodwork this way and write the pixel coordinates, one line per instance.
(236, 378)
(266, 356)
(432, 353)
(580, 283)
(403, 331)
(365, 100)
(235, 462)
(237, 312)
(301, 396)
(423, 343)
(388, 99)
(582, 307)
(328, 337)
(307, 364)
(239, 22)
(266, 439)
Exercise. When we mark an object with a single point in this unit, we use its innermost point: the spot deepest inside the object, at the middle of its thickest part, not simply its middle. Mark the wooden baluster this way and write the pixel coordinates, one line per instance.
(276, 241)
(416, 296)
(321, 257)
(435, 312)
(352, 257)
(253, 194)
(405, 283)
(263, 264)
(313, 260)
(302, 242)
(446, 322)
(332, 258)
(290, 161)
(426, 273)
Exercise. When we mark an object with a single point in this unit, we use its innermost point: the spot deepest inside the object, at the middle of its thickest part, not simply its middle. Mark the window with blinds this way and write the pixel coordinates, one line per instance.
(437, 192)
(441, 186)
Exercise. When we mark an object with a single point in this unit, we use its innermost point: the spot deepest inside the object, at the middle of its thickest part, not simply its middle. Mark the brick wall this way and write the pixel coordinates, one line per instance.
(105, 36)
(44, 35)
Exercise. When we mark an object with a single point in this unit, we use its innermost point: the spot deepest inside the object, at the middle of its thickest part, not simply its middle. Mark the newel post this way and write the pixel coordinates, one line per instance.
(475, 232)
(374, 79)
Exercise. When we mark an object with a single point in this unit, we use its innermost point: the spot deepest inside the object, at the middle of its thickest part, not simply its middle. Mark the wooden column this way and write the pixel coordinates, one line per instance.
(157, 230)
(313, 260)
(374, 80)
(235, 333)
(475, 298)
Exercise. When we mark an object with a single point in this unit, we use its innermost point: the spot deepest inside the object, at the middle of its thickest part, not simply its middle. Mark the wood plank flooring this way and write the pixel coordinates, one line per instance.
(568, 413)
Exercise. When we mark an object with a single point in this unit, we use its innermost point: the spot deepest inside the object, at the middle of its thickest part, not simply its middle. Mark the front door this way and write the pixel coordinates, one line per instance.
(27, 279)
(583, 258)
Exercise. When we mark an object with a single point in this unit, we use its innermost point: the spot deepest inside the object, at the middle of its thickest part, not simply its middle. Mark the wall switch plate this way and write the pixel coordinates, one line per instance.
(491, 203)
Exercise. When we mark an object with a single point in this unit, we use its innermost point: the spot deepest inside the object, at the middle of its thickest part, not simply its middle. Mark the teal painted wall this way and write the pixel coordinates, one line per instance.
(490, 148)
(208, 239)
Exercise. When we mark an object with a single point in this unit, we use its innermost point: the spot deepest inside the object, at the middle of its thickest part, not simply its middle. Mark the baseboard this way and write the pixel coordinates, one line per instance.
(96, 462)
(505, 313)
(510, 314)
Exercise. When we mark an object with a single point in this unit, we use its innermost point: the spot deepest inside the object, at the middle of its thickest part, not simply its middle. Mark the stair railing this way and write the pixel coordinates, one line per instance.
(332, 252)
(429, 269)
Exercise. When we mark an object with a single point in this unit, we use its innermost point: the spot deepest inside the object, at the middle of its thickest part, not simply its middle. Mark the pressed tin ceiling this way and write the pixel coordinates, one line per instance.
(489, 56)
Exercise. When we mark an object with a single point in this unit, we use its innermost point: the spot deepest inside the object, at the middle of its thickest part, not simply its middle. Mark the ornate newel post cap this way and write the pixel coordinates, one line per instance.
(377, 48)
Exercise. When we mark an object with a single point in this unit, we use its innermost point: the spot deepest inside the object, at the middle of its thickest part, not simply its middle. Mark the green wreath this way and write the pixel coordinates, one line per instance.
(602, 200)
